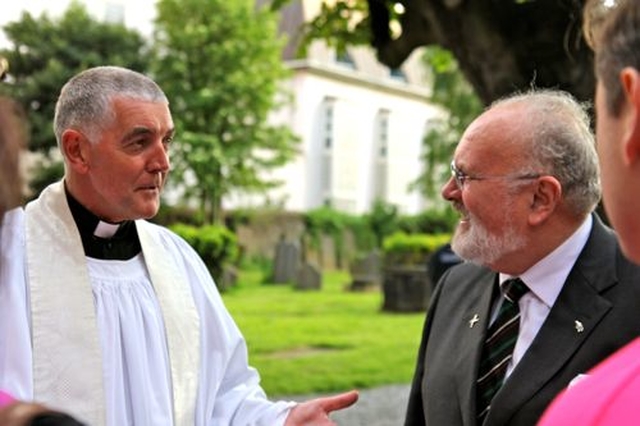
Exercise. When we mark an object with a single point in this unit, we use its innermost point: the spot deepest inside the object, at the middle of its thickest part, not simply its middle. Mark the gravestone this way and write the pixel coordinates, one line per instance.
(366, 272)
(286, 262)
(228, 279)
(406, 288)
(309, 278)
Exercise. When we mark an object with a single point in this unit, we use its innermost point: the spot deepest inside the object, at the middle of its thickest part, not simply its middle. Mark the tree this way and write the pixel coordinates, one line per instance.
(219, 62)
(47, 52)
(460, 104)
(501, 46)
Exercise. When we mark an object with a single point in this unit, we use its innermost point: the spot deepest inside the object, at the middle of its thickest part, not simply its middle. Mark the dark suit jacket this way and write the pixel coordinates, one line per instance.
(602, 292)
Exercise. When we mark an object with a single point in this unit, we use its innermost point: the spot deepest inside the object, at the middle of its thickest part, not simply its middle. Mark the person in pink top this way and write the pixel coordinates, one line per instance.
(610, 393)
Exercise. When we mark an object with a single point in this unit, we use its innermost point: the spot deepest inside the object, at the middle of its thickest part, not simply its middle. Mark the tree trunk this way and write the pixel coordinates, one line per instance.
(501, 45)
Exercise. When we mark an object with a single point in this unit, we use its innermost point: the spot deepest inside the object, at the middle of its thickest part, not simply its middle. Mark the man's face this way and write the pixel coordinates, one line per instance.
(488, 229)
(128, 164)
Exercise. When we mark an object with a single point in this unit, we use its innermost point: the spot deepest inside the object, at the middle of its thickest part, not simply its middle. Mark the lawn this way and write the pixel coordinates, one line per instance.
(322, 341)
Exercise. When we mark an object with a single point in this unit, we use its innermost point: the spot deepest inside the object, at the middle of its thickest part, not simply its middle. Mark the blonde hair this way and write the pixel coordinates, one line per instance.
(612, 29)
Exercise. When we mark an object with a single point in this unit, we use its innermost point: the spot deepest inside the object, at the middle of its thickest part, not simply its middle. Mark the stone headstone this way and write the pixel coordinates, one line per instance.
(228, 279)
(406, 288)
(309, 278)
(366, 272)
(286, 262)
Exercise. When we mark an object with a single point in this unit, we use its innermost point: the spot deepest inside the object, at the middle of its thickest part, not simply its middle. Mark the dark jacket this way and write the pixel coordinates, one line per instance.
(602, 293)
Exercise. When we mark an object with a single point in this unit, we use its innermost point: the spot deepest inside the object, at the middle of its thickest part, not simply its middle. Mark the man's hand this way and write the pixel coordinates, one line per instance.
(315, 412)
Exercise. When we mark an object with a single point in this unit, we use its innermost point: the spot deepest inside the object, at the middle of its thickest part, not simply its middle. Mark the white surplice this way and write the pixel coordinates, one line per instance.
(134, 320)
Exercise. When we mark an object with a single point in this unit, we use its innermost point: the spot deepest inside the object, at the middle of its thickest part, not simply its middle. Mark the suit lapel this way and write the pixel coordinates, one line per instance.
(473, 328)
(577, 311)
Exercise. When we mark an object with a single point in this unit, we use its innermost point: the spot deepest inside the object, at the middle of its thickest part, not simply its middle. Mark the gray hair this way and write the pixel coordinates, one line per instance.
(557, 138)
(85, 100)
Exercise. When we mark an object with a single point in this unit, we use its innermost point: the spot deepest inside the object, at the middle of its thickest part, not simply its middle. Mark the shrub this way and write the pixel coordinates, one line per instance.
(403, 248)
(429, 222)
(327, 221)
(216, 245)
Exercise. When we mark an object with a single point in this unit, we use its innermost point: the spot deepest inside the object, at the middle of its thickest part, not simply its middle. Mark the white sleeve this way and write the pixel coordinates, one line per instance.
(16, 375)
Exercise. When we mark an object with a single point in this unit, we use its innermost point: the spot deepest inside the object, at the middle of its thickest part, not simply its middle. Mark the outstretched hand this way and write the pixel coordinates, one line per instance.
(316, 411)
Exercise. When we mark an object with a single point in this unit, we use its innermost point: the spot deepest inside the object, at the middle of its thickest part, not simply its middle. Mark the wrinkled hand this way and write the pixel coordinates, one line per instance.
(315, 412)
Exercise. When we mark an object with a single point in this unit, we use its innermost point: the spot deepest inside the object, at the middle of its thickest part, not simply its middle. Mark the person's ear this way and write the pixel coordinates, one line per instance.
(547, 194)
(630, 114)
(75, 150)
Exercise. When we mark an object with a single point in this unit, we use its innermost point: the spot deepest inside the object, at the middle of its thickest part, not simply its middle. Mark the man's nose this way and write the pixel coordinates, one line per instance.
(160, 159)
(450, 190)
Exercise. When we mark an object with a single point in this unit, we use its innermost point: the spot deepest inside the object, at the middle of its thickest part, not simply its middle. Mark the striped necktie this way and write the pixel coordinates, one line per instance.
(498, 347)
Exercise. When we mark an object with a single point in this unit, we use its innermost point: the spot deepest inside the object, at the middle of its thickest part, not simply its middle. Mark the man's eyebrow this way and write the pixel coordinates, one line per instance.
(137, 131)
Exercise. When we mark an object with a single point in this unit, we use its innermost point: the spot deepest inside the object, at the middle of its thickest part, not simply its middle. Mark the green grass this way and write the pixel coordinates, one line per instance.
(322, 341)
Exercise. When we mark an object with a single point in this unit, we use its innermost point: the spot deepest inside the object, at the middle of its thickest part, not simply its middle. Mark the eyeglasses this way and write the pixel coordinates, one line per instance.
(461, 177)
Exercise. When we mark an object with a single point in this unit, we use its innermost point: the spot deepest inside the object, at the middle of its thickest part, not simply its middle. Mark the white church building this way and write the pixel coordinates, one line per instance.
(361, 127)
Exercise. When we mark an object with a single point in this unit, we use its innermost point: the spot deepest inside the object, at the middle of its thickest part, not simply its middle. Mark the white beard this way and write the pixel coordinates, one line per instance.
(478, 245)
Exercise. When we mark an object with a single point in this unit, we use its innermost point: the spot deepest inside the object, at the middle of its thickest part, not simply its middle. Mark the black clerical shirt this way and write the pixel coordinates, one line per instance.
(123, 245)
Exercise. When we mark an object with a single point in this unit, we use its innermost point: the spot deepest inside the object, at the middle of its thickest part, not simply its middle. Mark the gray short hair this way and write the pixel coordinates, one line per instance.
(85, 100)
(557, 138)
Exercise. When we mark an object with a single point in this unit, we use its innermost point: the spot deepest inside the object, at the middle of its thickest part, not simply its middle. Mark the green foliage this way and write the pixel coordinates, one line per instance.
(383, 220)
(220, 64)
(370, 230)
(340, 24)
(460, 105)
(216, 245)
(433, 221)
(46, 52)
(327, 341)
(402, 248)
(169, 215)
(327, 221)
(45, 172)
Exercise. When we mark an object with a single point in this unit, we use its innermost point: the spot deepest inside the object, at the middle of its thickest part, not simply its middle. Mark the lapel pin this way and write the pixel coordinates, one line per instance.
(579, 326)
(474, 320)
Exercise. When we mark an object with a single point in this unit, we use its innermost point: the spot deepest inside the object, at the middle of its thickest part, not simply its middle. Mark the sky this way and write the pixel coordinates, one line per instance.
(138, 14)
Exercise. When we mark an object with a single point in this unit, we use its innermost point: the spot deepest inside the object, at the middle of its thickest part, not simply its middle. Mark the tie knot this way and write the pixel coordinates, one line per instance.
(514, 289)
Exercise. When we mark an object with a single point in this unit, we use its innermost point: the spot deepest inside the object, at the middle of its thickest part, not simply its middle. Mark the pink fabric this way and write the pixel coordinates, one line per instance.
(5, 399)
(610, 396)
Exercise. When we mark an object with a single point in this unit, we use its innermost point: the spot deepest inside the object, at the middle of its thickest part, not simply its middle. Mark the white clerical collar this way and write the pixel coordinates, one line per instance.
(106, 230)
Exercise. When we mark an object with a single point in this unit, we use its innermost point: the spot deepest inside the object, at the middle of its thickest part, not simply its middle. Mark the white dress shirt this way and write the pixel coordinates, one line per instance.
(545, 280)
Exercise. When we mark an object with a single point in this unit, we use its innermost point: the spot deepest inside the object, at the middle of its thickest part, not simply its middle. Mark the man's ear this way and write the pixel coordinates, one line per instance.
(546, 197)
(75, 150)
(630, 114)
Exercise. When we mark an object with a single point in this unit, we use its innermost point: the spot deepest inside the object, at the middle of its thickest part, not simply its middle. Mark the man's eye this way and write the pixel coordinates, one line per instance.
(138, 143)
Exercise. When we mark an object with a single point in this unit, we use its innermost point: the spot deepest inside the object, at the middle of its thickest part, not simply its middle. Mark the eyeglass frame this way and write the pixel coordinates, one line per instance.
(460, 177)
